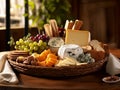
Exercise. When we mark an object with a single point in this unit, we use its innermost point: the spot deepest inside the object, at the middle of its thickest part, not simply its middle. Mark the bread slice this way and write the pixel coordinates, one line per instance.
(48, 30)
(54, 26)
(68, 24)
(77, 25)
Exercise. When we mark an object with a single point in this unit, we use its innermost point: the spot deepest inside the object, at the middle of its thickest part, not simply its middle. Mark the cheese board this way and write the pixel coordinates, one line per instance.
(52, 55)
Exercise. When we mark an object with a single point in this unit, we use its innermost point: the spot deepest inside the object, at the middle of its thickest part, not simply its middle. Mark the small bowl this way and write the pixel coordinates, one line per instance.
(111, 79)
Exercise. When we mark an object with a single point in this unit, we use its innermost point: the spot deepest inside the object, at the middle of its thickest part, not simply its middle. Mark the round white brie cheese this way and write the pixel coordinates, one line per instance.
(70, 50)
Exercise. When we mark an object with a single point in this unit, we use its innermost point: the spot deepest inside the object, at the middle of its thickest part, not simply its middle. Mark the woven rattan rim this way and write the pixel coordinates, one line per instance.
(58, 71)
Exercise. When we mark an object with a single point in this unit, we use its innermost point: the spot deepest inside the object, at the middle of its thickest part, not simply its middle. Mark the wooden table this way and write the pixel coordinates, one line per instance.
(91, 81)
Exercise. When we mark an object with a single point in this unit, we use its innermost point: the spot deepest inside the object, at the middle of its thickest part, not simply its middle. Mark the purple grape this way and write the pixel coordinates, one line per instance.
(39, 38)
(31, 37)
(43, 34)
(38, 35)
(35, 38)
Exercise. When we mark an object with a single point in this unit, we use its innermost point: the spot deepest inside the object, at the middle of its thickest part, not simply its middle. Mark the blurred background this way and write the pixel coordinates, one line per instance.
(100, 17)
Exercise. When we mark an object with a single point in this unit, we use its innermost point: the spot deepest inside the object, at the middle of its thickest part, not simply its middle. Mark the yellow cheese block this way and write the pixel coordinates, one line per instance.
(79, 37)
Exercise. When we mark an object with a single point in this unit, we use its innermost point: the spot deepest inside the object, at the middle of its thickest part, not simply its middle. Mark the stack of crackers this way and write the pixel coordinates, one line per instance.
(15, 53)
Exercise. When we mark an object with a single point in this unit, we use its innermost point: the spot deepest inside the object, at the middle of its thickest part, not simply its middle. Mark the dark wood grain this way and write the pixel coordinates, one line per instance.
(115, 52)
(90, 82)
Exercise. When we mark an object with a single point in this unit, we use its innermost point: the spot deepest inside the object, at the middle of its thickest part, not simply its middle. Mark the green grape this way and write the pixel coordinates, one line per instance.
(26, 49)
(35, 48)
(31, 45)
(40, 42)
(26, 42)
(44, 44)
(19, 47)
(22, 47)
(42, 47)
(27, 46)
(16, 47)
(32, 48)
(21, 40)
(35, 43)
(17, 42)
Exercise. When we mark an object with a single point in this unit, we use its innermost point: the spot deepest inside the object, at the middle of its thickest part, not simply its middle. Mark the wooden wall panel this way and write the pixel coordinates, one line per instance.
(101, 18)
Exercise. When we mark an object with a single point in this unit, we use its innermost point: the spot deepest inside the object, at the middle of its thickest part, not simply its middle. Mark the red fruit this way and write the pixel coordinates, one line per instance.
(43, 34)
(39, 38)
(38, 35)
(31, 37)
(35, 38)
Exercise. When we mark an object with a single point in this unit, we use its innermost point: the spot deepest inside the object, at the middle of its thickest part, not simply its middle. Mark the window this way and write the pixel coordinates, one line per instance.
(16, 12)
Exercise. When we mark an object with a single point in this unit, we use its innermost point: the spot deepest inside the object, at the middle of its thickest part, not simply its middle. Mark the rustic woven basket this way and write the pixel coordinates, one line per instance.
(63, 71)
(58, 71)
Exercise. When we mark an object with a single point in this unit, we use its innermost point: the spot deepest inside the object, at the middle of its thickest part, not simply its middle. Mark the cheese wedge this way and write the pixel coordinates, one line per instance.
(79, 37)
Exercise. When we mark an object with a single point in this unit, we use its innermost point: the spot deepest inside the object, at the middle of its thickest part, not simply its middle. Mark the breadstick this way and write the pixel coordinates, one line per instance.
(70, 24)
(54, 26)
(77, 25)
(48, 30)
(66, 24)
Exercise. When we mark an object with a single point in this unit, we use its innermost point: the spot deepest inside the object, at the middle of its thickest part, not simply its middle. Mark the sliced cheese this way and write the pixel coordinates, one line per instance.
(79, 37)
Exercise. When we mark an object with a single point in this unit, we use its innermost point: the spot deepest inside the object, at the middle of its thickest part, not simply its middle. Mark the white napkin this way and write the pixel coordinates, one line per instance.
(2, 60)
(7, 75)
(113, 65)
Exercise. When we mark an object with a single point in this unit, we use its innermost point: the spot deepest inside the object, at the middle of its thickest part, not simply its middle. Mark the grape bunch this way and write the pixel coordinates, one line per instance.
(32, 44)
(38, 37)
